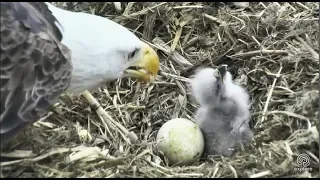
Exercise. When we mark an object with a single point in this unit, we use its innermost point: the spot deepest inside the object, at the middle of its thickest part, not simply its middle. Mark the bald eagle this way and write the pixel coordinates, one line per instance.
(46, 51)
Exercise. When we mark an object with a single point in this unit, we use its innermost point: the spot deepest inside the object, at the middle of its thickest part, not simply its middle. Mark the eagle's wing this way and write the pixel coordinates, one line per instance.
(35, 66)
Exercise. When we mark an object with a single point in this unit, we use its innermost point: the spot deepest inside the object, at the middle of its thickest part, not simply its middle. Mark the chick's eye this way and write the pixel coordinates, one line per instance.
(133, 53)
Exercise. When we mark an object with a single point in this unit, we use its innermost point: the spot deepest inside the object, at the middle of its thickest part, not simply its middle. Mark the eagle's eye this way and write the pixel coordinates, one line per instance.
(133, 53)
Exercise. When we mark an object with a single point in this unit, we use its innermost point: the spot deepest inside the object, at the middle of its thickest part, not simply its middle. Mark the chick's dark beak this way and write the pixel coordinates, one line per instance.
(222, 69)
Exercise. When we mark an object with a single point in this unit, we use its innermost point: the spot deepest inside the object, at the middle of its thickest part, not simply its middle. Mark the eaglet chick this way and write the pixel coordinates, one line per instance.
(223, 114)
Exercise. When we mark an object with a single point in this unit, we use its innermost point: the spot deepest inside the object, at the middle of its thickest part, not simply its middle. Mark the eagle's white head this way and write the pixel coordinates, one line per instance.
(103, 50)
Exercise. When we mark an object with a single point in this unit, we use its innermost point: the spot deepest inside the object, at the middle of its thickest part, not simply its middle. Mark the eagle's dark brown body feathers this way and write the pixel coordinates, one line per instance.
(35, 66)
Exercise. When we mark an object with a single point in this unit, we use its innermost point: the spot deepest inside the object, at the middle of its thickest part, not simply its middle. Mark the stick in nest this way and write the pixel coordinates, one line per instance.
(107, 118)
(269, 98)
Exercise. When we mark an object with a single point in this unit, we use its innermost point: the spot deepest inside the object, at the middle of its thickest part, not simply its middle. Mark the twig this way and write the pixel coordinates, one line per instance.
(103, 7)
(36, 159)
(191, 7)
(314, 54)
(233, 170)
(43, 156)
(117, 6)
(176, 39)
(128, 9)
(183, 62)
(106, 117)
(149, 24)
(212, 18)
(229, 32)
(269, 97)
(179, 32)
(18, 154)
(292, 114)
(262, 52)
(260, 174)
(144, 11)
(303, 6)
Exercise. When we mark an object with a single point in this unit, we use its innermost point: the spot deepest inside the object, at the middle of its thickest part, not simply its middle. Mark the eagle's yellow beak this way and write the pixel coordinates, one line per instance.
(146, 68)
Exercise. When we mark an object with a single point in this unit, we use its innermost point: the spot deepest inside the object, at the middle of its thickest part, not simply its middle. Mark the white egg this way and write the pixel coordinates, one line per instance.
(181, 141)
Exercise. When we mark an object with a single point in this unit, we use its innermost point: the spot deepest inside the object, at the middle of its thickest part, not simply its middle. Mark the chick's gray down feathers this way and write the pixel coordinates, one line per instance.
(35, 66)
(223, 114)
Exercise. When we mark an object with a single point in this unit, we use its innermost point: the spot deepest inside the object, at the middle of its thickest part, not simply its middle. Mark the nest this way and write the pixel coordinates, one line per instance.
(272, 49)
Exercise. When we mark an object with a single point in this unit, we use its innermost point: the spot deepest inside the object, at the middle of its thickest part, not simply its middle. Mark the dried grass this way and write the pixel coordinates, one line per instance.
(272, 49)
